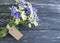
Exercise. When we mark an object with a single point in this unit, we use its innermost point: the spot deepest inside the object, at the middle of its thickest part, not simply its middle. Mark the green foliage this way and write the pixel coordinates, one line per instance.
(3, 32)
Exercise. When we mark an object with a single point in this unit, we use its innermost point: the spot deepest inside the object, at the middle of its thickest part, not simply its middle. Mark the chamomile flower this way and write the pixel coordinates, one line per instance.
(17, 21)
(21, 8)
(35, 23)
(29, 25)
(24, 17)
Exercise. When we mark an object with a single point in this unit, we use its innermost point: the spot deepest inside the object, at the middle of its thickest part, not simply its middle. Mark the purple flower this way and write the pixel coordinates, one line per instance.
(21, 3)
(27, 10)
(16, 14)
(35, 16)
(13, 9)
(34, 9)
(26, 4)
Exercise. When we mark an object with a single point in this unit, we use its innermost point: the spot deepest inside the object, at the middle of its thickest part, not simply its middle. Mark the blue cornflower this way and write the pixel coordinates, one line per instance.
(21, 3)
(16, 14)
(34, 9)
(26, 4)
(27, 10)
(35, 16)
(13, 9)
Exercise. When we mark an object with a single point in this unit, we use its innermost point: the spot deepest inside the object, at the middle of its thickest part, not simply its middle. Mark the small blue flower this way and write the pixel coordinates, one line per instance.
(16, 14)
(13, 9)
(34, 9)
(21, 3)
(26, 4)
(27, 10)
(36, 17)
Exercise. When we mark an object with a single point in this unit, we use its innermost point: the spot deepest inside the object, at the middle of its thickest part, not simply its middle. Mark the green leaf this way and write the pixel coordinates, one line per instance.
(3, 32)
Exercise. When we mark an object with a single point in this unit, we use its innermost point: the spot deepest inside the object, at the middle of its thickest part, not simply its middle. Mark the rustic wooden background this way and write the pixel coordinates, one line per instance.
(48, 30)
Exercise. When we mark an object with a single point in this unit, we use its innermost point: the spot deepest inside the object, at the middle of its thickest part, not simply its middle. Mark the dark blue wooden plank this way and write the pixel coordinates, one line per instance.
(47, 8)
(44, 1)
(35, 36)
(42, 8)
(7, 2)
(47, 21)
(50, 21)
(4, 8)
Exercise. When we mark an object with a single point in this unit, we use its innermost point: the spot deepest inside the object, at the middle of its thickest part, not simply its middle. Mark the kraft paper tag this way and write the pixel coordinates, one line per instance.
(15, 33)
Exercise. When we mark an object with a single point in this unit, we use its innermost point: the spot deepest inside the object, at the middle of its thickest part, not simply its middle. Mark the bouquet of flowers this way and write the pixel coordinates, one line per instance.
(22, 13)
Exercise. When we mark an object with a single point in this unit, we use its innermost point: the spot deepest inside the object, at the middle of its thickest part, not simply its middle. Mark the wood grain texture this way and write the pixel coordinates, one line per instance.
(47, 21)
(45, 1)
(42, 9)
(35, 36)
(48, 30)
(7, 2)
(45, 6)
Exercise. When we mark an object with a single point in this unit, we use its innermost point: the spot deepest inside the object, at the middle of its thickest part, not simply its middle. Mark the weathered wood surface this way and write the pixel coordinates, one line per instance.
(47, 21)
(48, 30)
(35, 36)
(42, 9)
(7, 2)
